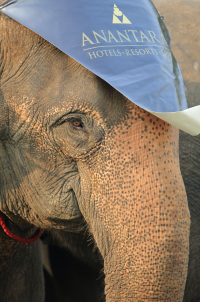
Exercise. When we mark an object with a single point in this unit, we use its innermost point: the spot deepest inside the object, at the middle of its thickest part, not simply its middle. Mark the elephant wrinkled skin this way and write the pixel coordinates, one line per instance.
(78, 156)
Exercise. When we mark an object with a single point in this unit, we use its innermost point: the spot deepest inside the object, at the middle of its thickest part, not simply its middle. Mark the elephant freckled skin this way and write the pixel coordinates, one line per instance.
(186, 48)
(150, 202)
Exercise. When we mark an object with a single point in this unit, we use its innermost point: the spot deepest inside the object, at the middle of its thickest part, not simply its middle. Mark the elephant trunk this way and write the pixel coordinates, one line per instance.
(140, 217)
(148, 255)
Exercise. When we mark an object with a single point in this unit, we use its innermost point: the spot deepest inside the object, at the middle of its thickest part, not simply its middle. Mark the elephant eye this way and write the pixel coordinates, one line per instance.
(77, 123)
(73, 121)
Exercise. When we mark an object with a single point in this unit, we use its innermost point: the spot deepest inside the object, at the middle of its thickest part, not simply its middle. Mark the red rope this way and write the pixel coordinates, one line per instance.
(33, 238)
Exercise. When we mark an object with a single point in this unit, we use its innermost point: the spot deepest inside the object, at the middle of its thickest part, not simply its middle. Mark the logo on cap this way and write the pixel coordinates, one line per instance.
(119, 17)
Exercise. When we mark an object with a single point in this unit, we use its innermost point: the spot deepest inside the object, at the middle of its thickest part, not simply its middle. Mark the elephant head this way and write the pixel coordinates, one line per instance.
(76, 153)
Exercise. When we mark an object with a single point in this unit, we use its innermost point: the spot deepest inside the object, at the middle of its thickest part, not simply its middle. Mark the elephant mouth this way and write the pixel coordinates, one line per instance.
(74, 225)
(65, 213)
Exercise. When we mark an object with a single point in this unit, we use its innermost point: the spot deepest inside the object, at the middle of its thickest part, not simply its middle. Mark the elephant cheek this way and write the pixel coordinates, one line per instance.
(138, 214)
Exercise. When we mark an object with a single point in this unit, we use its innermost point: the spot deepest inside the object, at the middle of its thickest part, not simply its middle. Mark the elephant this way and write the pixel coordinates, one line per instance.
(83, 162)
(183, 28)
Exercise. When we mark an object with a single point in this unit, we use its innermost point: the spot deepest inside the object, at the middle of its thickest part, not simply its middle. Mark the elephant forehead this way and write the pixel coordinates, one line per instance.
(56, 85)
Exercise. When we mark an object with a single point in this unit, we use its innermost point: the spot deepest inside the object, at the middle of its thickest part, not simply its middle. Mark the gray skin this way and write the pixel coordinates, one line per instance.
(76, 155)
(182, 19)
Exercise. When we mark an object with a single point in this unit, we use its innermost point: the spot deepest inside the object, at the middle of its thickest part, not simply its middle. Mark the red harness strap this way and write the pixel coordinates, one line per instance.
(33, 238)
